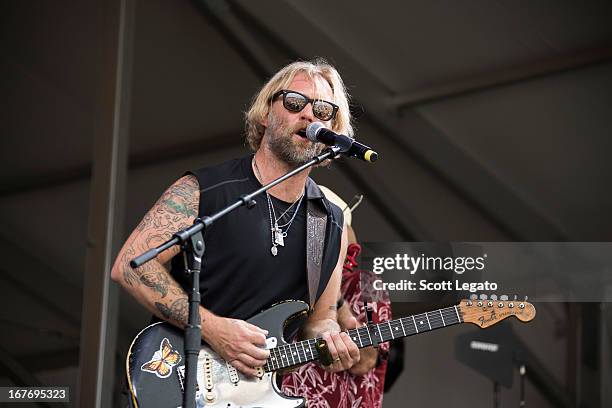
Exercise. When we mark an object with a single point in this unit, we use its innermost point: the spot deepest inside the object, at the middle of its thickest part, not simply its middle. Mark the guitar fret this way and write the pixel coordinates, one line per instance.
(428, 323)
(391, 330)
(456, 311)
(274, 357)
(283, 356)
(402, 323)
(359, 337)
(421, 321)
(288, 355)
(307, 348)
(297, 351)
(368, 330)
(270, 359)
(304, 350)
(292, 354)
(415, 326)
(442, 316)
(277, 358)
(310, 349)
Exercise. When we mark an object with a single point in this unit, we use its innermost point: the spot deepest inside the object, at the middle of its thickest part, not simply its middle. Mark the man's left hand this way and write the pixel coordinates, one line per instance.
(343, 350)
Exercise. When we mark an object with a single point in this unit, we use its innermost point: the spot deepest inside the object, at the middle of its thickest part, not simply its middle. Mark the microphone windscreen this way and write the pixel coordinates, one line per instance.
(312, 130)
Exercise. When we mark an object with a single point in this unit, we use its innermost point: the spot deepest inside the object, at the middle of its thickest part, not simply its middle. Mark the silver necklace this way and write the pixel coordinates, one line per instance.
(278, 235)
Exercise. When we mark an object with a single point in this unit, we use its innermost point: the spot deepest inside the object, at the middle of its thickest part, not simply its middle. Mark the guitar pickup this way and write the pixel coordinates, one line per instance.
(233, 373)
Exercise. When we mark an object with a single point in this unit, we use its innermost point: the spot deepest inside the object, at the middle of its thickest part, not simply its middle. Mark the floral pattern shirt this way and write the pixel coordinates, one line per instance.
(343, 389)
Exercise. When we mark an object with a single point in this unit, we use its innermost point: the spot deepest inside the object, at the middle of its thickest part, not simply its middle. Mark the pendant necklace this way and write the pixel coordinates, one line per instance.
(276, 230)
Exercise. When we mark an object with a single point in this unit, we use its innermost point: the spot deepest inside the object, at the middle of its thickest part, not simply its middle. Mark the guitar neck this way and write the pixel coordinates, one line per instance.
(301, 352)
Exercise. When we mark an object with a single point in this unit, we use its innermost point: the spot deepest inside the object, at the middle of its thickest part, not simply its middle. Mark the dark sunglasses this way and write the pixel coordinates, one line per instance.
(294, 101)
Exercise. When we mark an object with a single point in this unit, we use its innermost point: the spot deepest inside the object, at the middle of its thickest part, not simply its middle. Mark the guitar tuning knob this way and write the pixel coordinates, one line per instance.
(473, 297)
(483, 297)
(526, 297)
(503, 297)
(493, 297)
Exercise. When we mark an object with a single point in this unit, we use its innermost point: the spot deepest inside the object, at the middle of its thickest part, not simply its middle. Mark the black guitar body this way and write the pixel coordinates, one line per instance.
(155, 367)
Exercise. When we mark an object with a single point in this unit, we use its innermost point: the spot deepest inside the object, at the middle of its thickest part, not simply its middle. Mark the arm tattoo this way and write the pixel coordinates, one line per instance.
(180, 197)
(180, 208)
(158, 281)
(177, 311)
(175, 210)
(161, 282)
(129, 275)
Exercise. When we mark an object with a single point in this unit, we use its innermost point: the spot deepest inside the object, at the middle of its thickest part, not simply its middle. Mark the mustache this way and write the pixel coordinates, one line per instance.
(299, 127)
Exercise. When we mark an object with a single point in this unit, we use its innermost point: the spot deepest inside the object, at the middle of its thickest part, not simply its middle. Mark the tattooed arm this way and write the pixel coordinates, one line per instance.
(152, 285)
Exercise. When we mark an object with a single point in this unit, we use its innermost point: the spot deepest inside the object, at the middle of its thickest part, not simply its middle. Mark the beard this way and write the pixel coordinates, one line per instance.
(284, 146)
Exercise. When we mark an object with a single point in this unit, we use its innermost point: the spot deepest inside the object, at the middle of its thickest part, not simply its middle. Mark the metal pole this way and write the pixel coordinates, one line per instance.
(110, 134)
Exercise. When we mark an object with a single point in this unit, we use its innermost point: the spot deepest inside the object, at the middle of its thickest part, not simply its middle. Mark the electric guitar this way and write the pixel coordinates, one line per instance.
(156, 371)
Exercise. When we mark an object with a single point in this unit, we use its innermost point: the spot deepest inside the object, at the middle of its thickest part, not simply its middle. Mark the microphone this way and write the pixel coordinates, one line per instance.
(316, 132)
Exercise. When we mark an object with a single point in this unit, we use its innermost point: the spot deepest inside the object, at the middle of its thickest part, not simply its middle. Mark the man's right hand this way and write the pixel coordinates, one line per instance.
(238, 342)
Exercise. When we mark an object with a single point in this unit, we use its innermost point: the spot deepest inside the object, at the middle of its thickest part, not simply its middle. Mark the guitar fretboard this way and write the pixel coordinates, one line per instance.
(301, 352)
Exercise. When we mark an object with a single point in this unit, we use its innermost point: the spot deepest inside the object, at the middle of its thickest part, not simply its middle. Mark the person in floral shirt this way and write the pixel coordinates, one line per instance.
(362, 385)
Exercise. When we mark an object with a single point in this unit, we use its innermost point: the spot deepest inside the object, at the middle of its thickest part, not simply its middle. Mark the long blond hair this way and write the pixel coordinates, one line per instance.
(314, 70)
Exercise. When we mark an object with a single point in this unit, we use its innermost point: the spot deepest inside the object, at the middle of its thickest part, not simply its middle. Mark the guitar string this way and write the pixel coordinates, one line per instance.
(384, 333)
(384, 330)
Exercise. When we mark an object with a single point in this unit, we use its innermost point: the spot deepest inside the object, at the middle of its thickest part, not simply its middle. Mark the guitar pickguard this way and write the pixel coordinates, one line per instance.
(229, 388)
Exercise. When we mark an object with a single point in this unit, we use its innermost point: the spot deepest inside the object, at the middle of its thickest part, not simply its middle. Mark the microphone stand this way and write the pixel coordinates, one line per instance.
(191, 241)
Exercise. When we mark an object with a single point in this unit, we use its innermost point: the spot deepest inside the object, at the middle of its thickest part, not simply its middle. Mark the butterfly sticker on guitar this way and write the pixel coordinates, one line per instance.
(163, 360)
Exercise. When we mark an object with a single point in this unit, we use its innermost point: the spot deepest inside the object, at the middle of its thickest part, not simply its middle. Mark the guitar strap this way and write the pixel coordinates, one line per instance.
(316, 224)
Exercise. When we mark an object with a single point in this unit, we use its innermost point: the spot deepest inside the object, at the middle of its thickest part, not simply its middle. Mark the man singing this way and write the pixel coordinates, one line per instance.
(254, 258)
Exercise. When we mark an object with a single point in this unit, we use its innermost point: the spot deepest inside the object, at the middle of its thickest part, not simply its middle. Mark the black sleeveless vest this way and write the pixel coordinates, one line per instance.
(240, 277)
